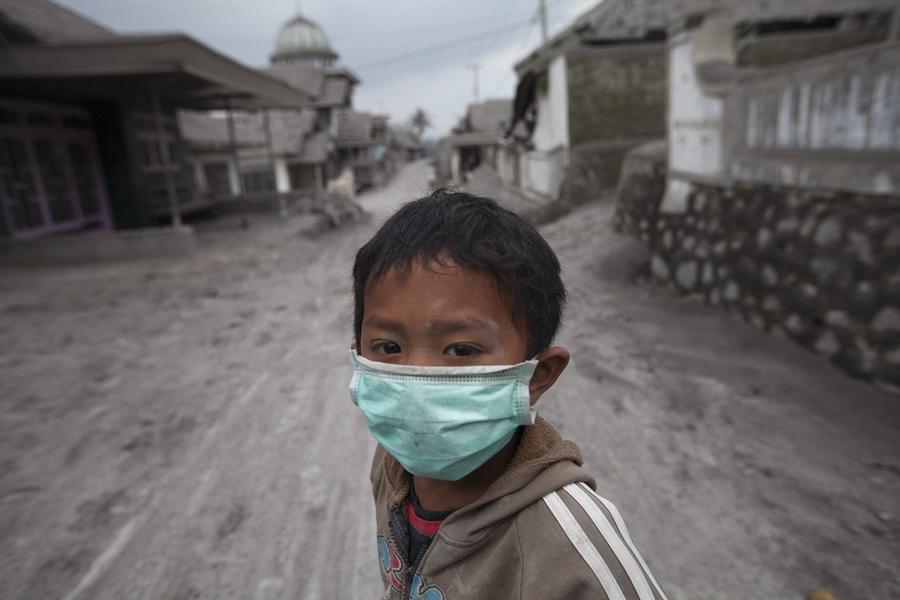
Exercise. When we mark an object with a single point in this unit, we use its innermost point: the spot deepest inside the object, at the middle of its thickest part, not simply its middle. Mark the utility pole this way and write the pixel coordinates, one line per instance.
(542, 11)
(474, 67)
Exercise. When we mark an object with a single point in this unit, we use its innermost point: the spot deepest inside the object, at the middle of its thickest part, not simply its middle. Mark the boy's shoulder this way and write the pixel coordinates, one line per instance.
(575, 541)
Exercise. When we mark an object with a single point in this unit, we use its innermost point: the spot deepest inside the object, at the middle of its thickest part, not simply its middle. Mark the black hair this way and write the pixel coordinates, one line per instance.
(475, 233)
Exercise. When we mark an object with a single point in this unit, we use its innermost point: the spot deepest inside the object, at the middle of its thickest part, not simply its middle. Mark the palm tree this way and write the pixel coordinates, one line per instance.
(420, 122)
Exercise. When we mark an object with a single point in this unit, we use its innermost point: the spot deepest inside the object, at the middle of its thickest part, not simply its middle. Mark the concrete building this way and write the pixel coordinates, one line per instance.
(88, 131)
(778, 194)
(295, 152)
(583, 99)
(802, 94)
(475, 141)
(284, 153)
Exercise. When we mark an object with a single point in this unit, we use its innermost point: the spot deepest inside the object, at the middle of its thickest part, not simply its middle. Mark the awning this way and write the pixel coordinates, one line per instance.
(186, 73)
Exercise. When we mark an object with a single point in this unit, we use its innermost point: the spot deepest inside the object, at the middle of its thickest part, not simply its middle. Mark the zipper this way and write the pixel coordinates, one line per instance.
(414, 569)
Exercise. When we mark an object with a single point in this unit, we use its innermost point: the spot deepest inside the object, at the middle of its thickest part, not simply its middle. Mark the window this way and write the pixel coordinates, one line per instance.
(153, 143)
(258, 181)
(50, 178)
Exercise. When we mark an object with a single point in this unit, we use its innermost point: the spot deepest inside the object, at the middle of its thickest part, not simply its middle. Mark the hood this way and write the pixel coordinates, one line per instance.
(543, 463)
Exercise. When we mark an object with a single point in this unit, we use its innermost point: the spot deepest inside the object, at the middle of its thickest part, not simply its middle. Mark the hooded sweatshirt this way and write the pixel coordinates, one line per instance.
(539, 532)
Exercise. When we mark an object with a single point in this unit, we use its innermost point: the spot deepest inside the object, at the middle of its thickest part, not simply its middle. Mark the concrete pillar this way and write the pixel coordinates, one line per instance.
(270, 153)
(165, 156)
(282, 176)
(232, 145)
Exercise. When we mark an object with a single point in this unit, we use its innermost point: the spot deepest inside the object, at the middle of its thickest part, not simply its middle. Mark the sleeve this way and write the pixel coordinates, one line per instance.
(575, 545)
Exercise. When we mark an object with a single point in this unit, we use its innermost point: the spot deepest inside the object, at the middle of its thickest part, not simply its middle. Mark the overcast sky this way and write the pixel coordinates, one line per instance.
(402, 50)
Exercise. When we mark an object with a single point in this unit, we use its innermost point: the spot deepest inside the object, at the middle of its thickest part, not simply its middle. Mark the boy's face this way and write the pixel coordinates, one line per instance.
(439, 315)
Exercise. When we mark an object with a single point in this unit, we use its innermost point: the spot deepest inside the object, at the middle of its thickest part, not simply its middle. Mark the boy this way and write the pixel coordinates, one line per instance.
(457, 301)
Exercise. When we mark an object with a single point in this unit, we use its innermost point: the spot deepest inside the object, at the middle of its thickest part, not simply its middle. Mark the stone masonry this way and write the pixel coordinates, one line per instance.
(823, 268)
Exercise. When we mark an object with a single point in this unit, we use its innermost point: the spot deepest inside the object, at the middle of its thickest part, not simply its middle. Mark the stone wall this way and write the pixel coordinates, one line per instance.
(823, 268)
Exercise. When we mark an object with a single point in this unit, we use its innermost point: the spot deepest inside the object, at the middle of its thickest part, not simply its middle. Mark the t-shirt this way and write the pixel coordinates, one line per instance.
(423, 524)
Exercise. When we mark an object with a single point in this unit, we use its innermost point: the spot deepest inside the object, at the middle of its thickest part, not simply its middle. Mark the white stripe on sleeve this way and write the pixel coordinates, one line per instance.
(584, 546)
(620, 523)
(638, 580)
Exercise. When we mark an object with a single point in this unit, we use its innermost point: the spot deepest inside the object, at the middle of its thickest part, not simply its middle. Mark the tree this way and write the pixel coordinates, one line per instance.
(420, 121)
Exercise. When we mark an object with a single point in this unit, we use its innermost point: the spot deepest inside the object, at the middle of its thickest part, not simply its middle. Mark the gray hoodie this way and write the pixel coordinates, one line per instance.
(539, 532)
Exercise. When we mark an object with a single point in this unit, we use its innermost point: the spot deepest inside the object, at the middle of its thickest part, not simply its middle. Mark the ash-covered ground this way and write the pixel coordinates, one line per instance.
(181, 429)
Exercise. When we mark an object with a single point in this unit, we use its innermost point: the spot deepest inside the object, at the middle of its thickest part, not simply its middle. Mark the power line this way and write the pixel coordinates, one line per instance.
(443, 46)
(509, 72)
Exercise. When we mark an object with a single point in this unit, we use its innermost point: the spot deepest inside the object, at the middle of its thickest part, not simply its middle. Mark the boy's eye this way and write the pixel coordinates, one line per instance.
(461, 350)
(386, 347)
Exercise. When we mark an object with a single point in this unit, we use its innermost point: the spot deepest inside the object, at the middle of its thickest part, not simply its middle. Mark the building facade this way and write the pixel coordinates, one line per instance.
(89, 138)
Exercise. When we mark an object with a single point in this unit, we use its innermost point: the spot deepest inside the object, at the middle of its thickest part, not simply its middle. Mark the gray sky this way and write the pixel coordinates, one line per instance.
(364, 34)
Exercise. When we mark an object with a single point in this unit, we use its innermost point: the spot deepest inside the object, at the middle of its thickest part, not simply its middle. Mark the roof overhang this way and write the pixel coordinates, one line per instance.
(186, 73)
(627, 21)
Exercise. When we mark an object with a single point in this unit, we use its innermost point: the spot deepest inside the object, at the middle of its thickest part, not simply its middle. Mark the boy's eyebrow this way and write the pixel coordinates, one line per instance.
(463, 324)
(384, 324)
(438, 327)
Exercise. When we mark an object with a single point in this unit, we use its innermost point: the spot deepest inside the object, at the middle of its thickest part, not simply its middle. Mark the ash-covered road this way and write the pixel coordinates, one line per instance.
(182, 429)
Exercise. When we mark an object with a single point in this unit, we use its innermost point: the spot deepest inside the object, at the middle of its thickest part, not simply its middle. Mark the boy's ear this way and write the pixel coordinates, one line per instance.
(551, 363)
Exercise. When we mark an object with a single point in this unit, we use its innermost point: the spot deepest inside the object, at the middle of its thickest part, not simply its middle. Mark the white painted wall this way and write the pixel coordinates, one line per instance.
(552, 127)
(695, 119)
(542, 169)
(542, 172)
(454, 166)
(282, 179)
(234, 176)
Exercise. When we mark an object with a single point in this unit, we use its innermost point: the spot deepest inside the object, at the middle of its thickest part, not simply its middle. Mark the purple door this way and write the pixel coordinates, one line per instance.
(50, 176)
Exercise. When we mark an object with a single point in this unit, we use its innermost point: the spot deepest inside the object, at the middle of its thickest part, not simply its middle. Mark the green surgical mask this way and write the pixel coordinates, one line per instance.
(442, 422)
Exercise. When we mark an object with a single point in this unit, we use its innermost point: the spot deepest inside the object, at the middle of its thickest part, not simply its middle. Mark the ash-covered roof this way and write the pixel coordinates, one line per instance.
(329, 88)
(203, 131)
(490, 116)
(404, 138)
(289, 130)
(315, 149)
(354, 127)
(629, 19)
(44, 22)
(335, 92)
(613, 20)
(302, 76)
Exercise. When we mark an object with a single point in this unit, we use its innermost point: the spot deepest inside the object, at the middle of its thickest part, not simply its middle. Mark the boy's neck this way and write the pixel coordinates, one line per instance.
(441, 496)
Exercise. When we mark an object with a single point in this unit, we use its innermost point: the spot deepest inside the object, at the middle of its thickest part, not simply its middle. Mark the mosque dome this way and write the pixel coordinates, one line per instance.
(303, 41)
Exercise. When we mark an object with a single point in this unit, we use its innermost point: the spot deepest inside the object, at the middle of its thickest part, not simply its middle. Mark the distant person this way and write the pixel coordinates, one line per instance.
(457, 301)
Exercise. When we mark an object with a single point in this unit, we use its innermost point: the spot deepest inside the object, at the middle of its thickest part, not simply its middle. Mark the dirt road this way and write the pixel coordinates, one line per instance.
(182, 429)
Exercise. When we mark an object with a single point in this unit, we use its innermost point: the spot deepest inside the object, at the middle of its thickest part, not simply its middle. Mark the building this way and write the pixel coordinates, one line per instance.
(405, 144)
(292, 153)
(583, 99)
(778, 196)
(802, 94)
(475, 141)
(88, 132)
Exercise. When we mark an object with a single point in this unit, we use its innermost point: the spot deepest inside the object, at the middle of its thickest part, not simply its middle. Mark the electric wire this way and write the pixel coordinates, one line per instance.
(427, 50)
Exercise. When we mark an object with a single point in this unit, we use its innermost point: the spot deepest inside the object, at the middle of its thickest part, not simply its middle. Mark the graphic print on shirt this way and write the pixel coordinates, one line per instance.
(392, 564)
(420, 592)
